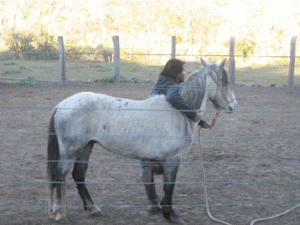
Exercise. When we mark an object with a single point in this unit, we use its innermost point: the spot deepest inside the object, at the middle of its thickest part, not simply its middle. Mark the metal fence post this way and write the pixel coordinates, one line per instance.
(292, 61)
(173, 51)
(116, 59)
(62, 58)
(231, 69)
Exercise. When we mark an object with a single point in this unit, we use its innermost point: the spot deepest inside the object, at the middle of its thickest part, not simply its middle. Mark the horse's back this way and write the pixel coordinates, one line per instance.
(148, 128)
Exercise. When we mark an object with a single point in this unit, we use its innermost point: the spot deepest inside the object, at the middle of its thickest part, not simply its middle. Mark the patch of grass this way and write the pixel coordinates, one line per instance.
(10, 63)
(76, 70)
(27, 81)
(267, 74)
(11, 72)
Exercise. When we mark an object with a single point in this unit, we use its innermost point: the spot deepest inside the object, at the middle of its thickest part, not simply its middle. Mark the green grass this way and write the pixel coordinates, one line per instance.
(267, 74)
(28, 71)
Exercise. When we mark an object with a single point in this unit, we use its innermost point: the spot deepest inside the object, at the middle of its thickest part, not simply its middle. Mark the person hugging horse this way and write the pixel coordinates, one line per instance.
(168, 84)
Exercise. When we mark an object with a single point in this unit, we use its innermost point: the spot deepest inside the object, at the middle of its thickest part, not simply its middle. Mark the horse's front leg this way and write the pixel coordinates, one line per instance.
(170, 169)
(148, 169)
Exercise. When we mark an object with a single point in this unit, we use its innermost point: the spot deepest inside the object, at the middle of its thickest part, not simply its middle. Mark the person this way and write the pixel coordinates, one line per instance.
(168, 84)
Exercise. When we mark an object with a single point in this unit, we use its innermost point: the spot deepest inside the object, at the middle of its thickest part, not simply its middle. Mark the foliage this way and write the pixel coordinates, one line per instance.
(20, 42)
(87, 52)
(26, 44)
(245, 47)
(200, 27)
(46, 43)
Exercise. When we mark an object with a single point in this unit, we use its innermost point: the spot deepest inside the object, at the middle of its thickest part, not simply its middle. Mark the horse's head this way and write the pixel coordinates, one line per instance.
(219, 86)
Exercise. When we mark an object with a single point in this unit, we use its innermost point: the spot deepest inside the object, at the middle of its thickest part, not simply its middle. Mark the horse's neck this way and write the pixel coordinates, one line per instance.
(193, 90)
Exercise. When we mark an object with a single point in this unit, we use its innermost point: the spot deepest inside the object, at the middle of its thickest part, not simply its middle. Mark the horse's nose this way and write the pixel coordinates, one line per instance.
(230, 109)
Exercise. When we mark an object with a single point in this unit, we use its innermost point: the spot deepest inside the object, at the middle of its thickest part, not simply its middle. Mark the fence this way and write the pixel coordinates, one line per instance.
(113, 73)
(173, 55)
(251, 159)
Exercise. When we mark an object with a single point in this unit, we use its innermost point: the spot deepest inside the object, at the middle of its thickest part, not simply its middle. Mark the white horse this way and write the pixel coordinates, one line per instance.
(149, 129)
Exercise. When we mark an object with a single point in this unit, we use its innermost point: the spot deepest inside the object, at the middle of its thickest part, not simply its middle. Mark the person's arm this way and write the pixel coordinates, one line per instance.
(174, 98)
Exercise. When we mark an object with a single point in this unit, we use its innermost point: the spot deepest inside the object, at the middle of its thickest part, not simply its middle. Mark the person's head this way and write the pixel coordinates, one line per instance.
(175, 69)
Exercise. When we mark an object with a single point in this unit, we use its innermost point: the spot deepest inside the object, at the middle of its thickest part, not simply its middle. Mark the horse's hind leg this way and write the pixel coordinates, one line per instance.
(78, 174)
(148, 178)
(58, 206)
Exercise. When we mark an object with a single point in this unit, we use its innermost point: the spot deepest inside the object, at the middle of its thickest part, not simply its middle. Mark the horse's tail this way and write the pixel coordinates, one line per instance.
(53, 173)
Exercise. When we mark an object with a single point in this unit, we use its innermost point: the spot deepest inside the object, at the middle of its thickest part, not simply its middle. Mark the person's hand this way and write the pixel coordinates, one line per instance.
(205, 125)
(198, 117)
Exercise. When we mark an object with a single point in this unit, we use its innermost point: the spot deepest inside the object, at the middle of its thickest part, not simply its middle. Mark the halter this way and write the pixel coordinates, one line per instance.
(218, 85)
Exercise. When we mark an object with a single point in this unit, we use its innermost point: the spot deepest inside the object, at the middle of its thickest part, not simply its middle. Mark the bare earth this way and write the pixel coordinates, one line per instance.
(252, 161)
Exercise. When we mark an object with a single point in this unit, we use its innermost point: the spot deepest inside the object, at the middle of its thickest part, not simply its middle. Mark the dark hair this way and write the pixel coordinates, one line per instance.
(172, 68)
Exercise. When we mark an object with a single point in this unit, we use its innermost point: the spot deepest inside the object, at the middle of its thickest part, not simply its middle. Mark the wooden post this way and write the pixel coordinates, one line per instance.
(116, 59)
(231, 69)
(173, 51)
(292, 61)
(62, 58)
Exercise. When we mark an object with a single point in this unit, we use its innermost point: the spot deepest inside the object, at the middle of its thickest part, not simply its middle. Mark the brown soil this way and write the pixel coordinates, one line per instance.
(252, 160)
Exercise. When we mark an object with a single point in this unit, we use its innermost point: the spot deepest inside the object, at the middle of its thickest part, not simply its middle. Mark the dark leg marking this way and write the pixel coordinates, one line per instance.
(170, 172)
(78, 175)
(149, 168)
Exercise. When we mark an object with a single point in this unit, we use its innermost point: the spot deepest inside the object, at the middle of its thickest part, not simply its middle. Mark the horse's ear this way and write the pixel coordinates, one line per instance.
(222, 64)
(204, 63)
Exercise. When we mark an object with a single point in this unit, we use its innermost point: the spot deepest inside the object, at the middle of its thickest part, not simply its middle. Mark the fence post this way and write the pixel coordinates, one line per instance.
(116, 59)
(231, 69)
(292, 61)
(62, 58)
(173, 51)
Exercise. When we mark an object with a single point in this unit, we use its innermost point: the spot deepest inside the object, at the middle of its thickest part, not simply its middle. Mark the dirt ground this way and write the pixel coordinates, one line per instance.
(251, 160)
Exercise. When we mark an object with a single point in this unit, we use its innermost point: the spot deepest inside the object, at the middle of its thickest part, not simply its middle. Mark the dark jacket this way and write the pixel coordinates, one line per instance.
(170, 88)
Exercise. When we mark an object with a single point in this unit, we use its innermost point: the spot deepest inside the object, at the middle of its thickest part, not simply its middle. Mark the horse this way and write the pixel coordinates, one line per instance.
(149, 130)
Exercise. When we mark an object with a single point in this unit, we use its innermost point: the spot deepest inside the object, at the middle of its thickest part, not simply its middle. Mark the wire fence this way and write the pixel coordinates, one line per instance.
(91, 67)
(22, 164)
(287, 138)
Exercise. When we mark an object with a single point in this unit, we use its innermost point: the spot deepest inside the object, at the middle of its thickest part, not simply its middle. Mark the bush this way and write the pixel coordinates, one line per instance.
(98, 53)
(46, 44)
(26, 45)
(20, 42)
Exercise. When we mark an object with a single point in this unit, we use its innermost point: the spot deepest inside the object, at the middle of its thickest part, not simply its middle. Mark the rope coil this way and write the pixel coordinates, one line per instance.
(205, 187)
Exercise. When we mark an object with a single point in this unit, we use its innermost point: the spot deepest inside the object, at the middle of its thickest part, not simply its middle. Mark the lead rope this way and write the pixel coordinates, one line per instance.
(204, 176)
(205, 187)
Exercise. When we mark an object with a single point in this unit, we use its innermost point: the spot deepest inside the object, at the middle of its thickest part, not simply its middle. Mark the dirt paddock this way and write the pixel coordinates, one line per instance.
(251, 160)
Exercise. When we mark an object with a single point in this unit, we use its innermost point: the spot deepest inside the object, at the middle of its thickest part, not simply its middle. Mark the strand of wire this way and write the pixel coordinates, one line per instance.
(135, 183)
(129, 136)
(37, 81)
(147, 206)
(152, 110)
(124, 163)
(154, 54)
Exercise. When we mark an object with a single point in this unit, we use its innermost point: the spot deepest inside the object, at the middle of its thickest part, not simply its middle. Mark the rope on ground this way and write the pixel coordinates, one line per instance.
(204, 177)
(206, 195)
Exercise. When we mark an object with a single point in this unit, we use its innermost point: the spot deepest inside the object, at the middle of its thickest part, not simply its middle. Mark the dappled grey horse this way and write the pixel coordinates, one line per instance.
(149, 129)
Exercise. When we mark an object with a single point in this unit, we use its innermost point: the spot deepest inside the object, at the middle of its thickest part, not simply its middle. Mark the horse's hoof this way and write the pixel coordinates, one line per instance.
(173, 218)
(60, 216)
(52, 216)
(155, 209)
(95, 211)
